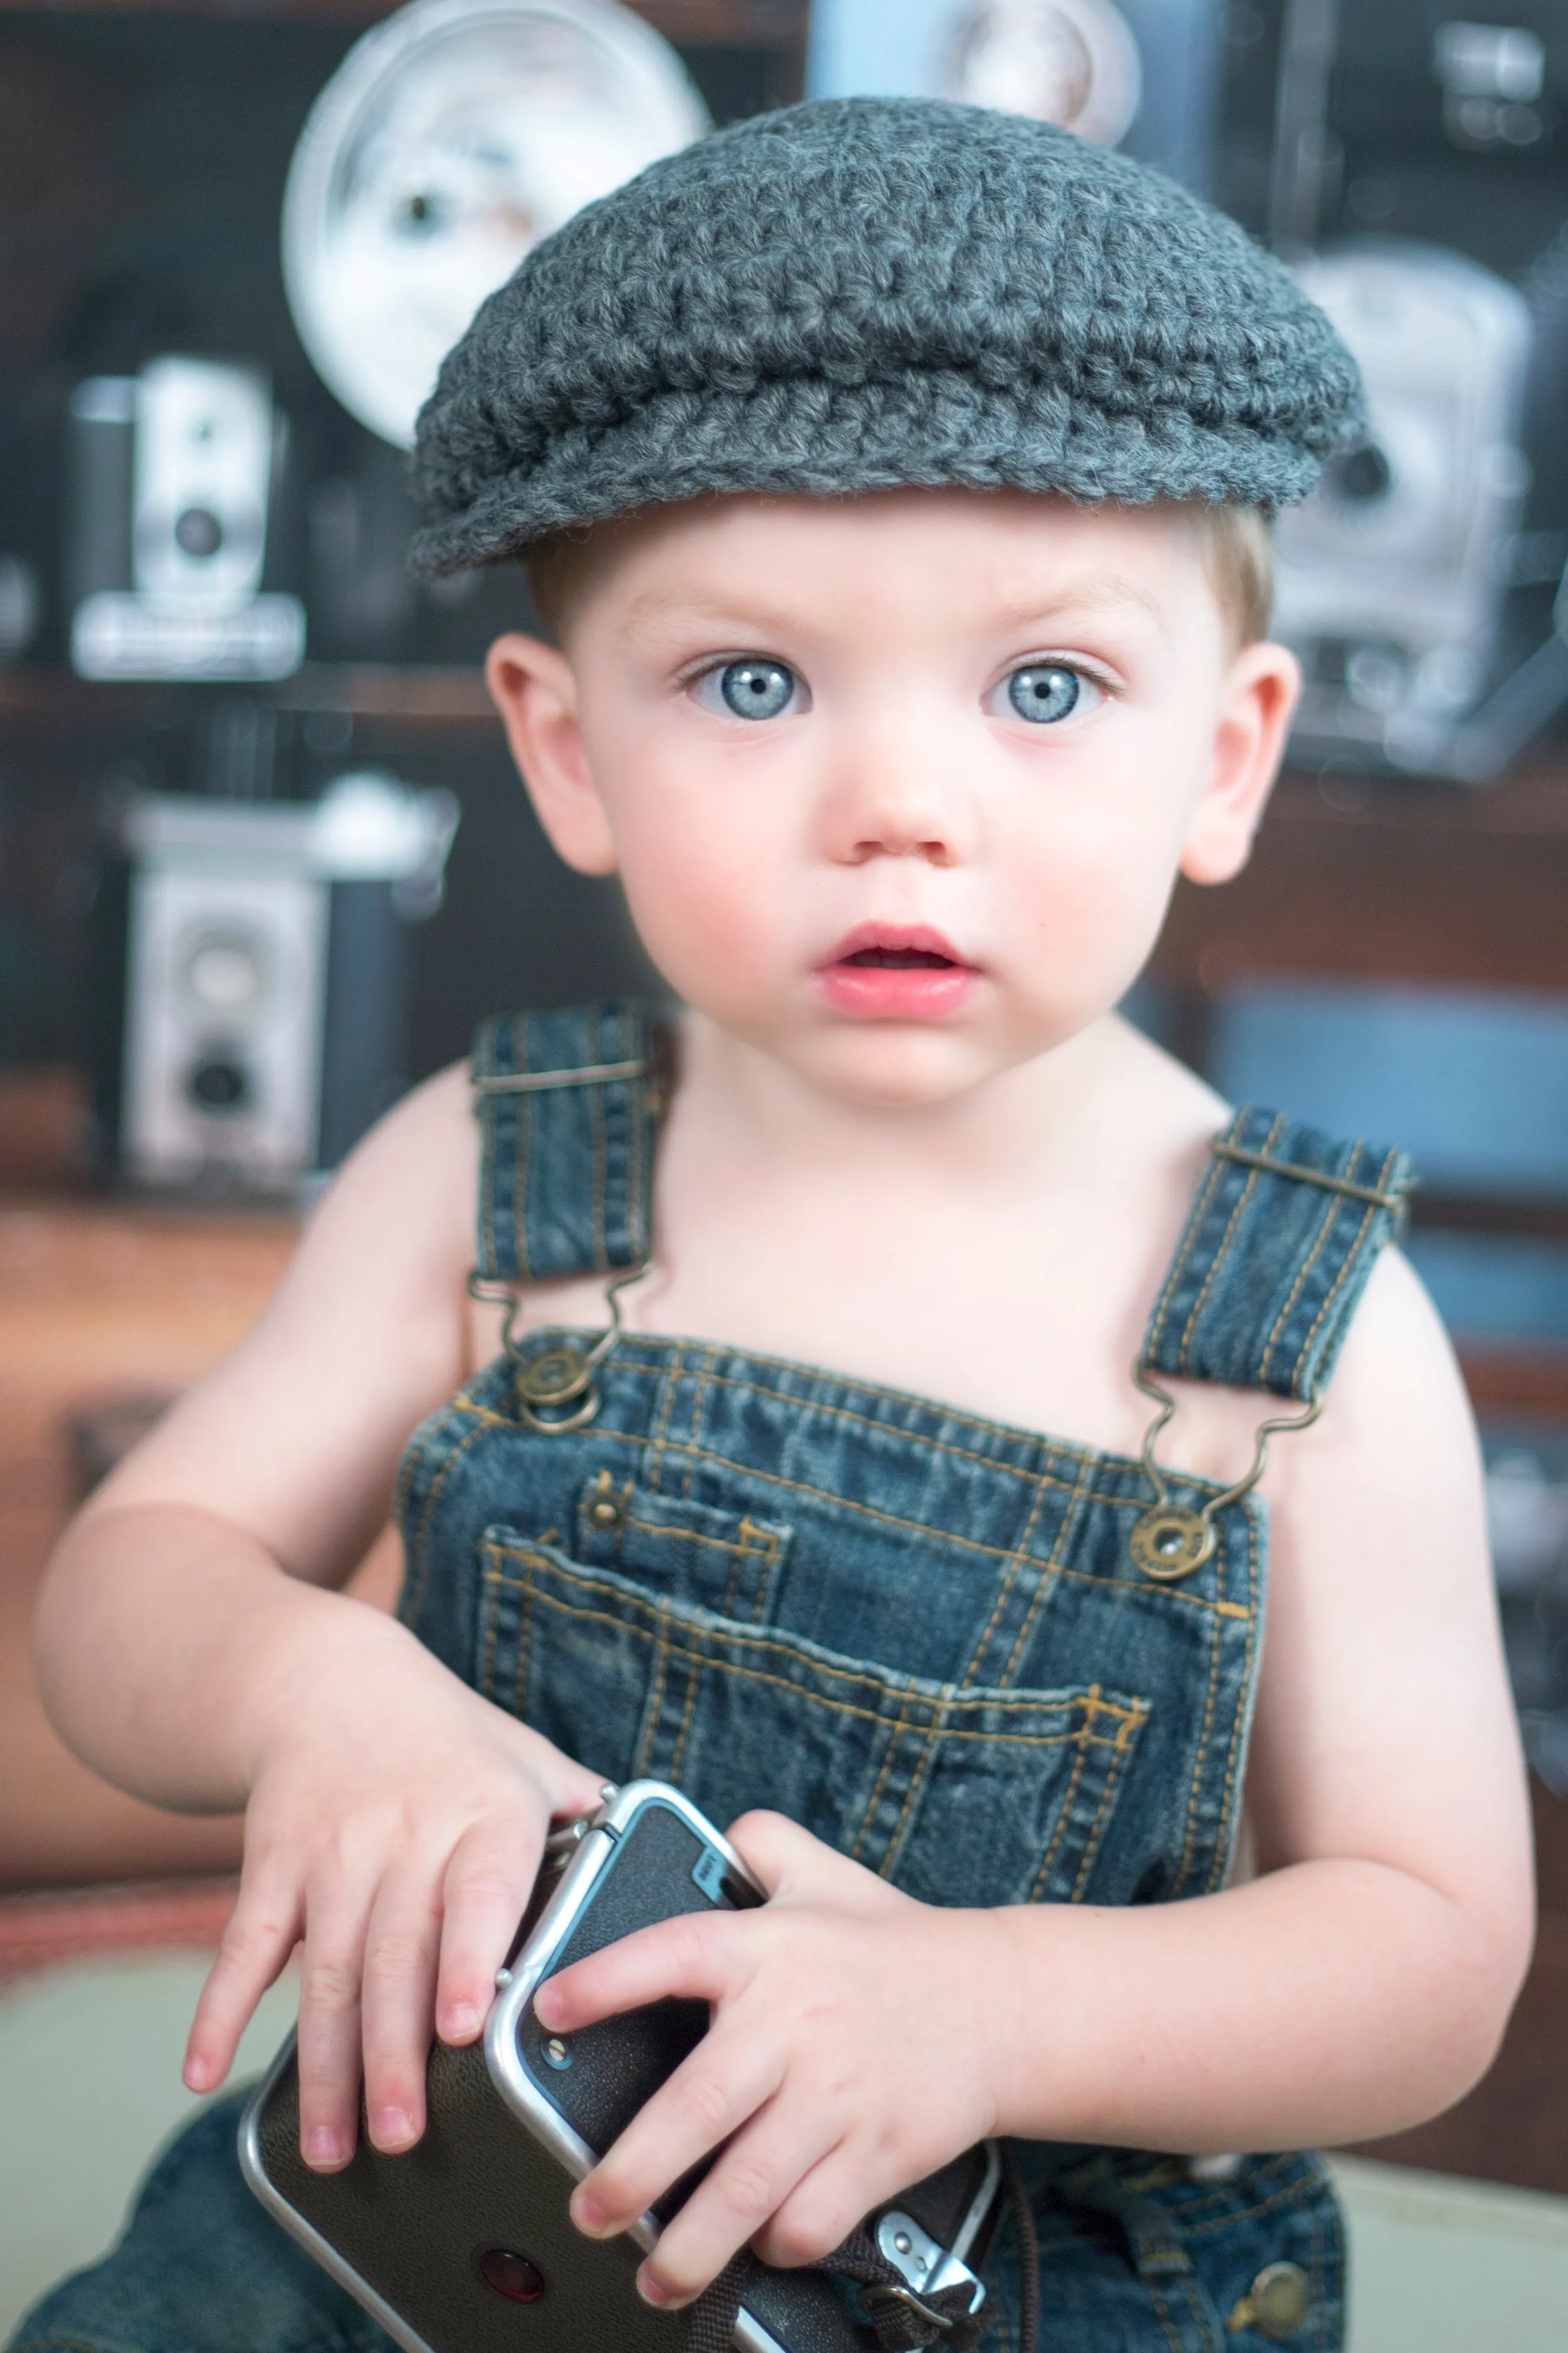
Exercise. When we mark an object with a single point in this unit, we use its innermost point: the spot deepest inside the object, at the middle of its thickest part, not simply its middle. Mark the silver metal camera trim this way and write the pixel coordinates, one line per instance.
(596, 1850)
(593, 1841)
(294, 2223)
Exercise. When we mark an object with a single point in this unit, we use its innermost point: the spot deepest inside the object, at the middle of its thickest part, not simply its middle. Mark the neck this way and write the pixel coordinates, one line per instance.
(750, 1109)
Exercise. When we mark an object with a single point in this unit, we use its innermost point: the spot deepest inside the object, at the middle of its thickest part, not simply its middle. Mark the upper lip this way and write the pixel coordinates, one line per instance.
(910, 938)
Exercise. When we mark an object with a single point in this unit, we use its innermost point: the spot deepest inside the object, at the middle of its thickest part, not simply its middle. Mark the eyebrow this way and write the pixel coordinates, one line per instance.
(1097, 594)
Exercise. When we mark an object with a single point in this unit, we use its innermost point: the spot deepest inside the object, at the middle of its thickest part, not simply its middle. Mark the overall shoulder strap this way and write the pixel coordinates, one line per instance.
(567, 1104)
(1275, 1255)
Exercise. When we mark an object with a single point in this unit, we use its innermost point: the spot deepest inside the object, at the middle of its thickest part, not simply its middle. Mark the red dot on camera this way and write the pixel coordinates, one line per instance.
(510, 2275)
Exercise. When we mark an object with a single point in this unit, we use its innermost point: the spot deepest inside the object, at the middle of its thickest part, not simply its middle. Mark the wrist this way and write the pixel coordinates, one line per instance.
(315, 1657)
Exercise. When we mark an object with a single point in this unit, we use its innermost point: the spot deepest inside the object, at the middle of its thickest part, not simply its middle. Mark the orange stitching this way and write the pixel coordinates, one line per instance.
(698, 1535)
(947, 1695)
(1015, 1559)
(1111, 1784)
(653, 1707)
(524, 1152)
(525, 1653)
(674, 1374)
(1351, 1255)
(1233, 1761)
(422, 1535)
(677, 1760)
(1162, 2314)
(1203, 1750)
(1185, 1249)
(895, 1734)
(489, 1584)
(1064, 1810)
(1113, 1588)
(1227, 1239)
(1038, 1599)
(687, 1652)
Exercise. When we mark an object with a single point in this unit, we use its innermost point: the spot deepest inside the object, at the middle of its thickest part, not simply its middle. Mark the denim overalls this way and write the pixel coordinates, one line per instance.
(993, 1668)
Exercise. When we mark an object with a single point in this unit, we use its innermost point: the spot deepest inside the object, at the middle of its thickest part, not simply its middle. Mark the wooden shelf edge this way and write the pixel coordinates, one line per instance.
(419, 692)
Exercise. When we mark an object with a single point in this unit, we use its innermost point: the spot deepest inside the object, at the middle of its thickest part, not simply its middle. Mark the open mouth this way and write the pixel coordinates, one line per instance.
(901, 960)
(896, 972)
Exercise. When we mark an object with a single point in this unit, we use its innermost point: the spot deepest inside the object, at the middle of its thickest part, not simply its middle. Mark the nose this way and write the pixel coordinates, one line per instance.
(896, 797)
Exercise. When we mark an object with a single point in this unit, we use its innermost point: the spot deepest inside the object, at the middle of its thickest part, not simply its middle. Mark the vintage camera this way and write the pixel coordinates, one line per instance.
(173, 478)
(257, 953)
(463, 2243)
(1389, 580)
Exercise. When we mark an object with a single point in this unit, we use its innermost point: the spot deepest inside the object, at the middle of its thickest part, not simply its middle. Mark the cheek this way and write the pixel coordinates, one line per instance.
(702, 882)
(1092, 883)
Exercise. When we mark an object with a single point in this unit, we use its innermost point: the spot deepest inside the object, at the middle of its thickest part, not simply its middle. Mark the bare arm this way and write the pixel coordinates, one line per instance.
(191, 1647)
(1360, 1984)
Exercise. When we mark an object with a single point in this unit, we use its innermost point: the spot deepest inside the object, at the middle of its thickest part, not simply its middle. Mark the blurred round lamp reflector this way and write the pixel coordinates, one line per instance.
(452, 139)
(1072, 62)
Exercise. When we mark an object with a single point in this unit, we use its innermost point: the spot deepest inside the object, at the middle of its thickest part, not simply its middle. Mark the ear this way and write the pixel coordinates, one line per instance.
(1260, 695)
(534, 688)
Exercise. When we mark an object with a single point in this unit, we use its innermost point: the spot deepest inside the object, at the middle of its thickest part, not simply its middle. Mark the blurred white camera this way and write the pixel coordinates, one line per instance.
(172, 475)
(1390, 578)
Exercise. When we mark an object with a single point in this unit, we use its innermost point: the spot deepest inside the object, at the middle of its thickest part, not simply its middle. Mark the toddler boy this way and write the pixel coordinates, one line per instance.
(891, 476)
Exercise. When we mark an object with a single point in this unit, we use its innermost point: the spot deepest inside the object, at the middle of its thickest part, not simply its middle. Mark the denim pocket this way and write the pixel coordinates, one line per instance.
(973, 1796)
(727, 1561)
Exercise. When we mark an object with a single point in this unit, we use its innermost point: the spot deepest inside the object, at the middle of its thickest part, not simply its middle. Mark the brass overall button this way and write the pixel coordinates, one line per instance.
(555, 1377)
(1276, 2304)
(607, 1504)
(1169, 1542)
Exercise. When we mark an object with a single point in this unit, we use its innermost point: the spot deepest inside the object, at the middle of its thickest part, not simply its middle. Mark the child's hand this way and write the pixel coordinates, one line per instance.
(397, 1831)
(854, 2048)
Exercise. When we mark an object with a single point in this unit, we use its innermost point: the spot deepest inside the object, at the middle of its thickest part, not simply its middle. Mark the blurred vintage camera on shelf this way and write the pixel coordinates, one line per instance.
(451, 139)
(1419, 181)
(255, 964)
(1389, 580)
(173, 478)
(1413, 165)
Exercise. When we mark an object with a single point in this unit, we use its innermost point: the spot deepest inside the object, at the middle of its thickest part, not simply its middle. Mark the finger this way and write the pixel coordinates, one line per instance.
(330, 1972)
(262, 1931)
(486, 1887)
(775, 1849)
(823, 2207)
(710, 2096)
(395, 2000)
(753, 2180)
(695, 1956)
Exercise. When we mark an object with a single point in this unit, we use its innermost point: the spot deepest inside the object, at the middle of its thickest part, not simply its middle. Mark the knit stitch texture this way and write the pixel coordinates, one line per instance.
(872, 293)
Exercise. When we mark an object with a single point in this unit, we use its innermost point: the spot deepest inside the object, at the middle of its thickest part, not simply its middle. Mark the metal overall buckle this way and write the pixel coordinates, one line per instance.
(1171, 1540)
(556, 1390)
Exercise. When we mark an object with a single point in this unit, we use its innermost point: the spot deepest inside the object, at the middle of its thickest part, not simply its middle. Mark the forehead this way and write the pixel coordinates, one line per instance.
(926, 548)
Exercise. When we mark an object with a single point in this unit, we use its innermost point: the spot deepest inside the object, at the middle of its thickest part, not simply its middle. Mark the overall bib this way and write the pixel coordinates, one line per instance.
(990, 1666)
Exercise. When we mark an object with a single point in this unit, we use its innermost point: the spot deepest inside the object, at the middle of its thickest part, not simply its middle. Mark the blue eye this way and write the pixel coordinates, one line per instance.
(1044, 691)
(752, 688)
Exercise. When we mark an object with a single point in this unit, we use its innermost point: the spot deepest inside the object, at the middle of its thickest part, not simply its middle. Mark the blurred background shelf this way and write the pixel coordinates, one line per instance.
(767, 24)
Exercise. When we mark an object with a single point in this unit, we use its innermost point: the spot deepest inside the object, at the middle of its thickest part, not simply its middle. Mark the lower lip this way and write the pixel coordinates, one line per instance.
(897, 992)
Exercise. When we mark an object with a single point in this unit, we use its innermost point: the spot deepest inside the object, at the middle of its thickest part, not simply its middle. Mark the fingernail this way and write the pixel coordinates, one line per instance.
(589, 2218)
(462, 2024)
(393, 2127)
(547, 2005)
(198, 2074)
(652, 2291)
(322, 2147)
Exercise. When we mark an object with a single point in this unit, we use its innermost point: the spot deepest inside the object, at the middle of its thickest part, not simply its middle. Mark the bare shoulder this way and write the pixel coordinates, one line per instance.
(296, 1435)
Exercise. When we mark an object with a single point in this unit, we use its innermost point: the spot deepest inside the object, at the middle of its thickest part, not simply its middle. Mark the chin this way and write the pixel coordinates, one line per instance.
(894, 1066)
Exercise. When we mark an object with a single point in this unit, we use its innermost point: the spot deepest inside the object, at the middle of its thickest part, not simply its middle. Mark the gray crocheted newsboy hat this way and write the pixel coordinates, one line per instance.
(869, 293)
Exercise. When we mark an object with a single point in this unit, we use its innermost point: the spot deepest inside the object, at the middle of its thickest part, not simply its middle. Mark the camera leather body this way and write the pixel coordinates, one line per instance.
(463, 2243)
